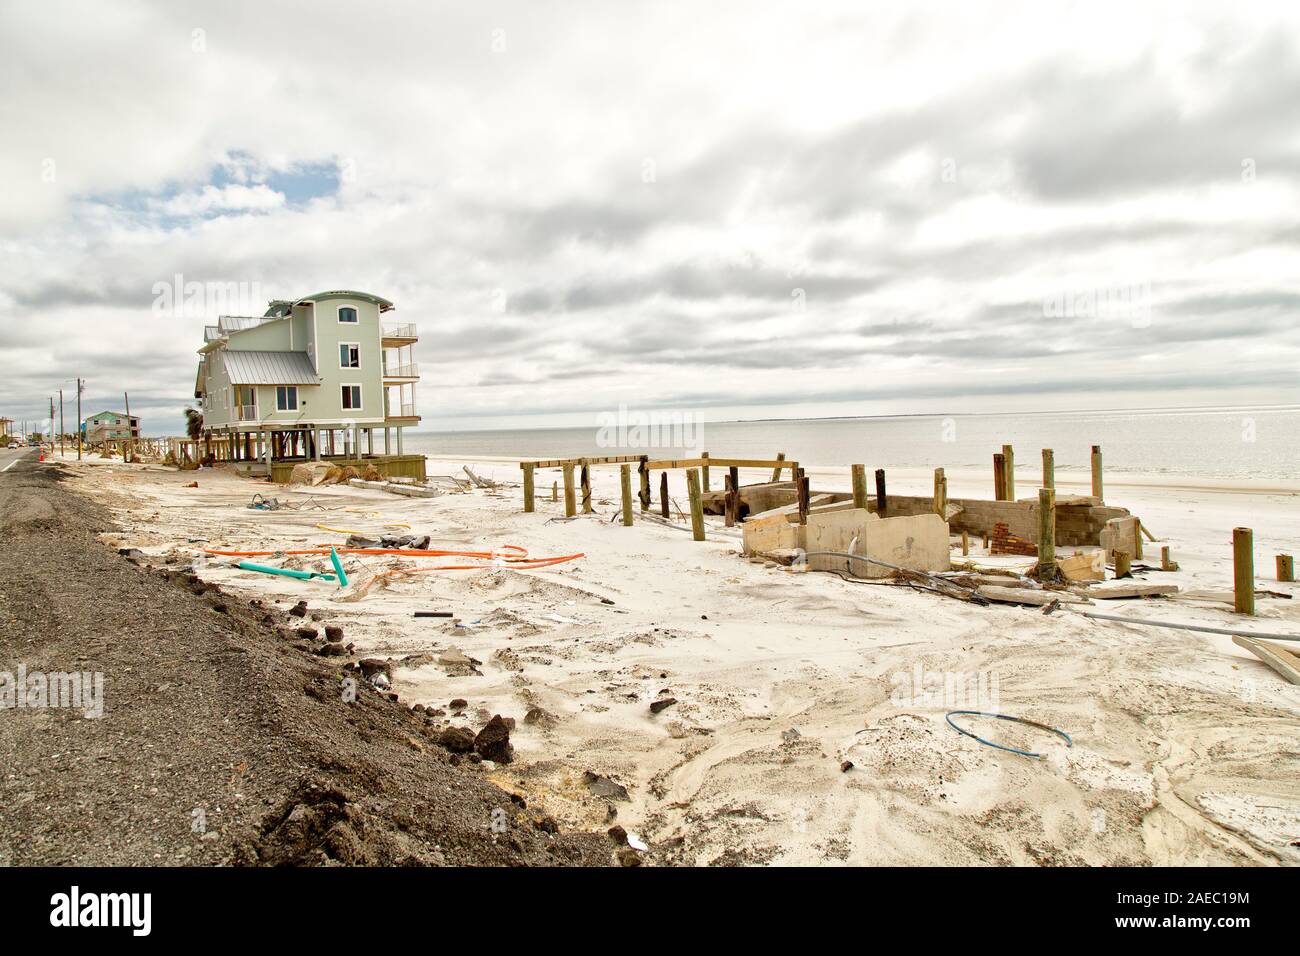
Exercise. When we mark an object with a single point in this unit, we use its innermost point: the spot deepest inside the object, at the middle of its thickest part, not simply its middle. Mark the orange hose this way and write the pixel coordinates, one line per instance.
(409, 552)
(520, 563)
(517, 564)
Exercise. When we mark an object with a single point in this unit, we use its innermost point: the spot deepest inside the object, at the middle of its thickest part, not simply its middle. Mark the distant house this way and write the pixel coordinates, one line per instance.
(313, 378)
(108, 426)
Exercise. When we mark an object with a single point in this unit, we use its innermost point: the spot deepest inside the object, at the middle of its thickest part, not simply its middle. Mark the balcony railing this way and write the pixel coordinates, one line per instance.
(411, 370)
(406, 331)
(401, 411)
(247, 413)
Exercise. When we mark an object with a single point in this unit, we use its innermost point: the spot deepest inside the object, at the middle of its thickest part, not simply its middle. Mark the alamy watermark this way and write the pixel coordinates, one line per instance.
(1121, 303)
(640, 429)
(178, 298)
(977, 690)
(37, 690)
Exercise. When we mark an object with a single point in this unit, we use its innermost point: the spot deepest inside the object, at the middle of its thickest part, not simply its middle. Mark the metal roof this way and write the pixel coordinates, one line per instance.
(269, 368)
(237, 323)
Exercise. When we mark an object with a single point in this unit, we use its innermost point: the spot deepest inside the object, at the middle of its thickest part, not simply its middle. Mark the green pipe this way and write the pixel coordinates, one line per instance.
(338, 568)
(284, 572)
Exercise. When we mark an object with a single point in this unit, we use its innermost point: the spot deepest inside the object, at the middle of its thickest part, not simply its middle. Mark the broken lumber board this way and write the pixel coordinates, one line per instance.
(1113, 592)
(561, 462)
(411, 491)
(1283, 660)
(1083, 567)
(720, 462)
(1030, 596)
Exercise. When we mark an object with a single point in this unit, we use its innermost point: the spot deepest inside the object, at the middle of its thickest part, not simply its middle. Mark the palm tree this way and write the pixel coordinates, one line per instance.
(194, 423)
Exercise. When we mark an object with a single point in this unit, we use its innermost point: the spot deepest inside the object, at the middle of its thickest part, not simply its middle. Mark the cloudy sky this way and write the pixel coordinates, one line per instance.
(740, 209)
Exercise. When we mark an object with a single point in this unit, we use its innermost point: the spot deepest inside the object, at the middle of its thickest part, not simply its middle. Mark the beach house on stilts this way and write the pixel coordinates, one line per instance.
(322, 378)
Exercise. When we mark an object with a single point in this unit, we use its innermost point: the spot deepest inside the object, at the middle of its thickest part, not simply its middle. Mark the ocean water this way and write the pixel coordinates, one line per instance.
(1240, 442)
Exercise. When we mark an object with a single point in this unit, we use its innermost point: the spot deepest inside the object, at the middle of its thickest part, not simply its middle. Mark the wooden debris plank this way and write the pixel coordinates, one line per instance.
(1028, 596)
(1283, 660)
(1112, 592)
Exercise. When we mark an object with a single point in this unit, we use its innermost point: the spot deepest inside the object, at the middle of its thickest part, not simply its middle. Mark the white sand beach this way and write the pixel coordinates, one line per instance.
(1184, 745)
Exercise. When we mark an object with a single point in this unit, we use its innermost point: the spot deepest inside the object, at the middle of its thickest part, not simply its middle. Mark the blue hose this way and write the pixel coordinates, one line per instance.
(1019, 720)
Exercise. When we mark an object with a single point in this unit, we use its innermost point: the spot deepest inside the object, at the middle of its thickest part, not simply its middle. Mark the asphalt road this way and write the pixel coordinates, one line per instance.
(10, 456)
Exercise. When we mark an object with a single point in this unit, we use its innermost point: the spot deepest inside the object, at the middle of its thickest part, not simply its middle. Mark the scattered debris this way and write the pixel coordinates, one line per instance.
(1019, 720)
(604, 787)
(1002, 541)
(540, 717)
(662, 704)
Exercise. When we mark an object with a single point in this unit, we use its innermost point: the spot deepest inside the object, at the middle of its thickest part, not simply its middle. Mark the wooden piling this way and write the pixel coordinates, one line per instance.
(1009, 473)
(663, 494)
(1285, 568)
(999, 477)
(570, 504)
(625, 478)
(697, 505)
(860, 486)
(801, 489)
(1243, 570)
(528, 488)
(1049, 469)
(729, 502)
(776, 472)
(882, 499)
(1137, 539)
(586, 488)
(965, 543)
(555, 491)
(940, 493)
(1096, 473)
(643, 474)
(1166, 561)
(733, 503)
(1123, 564)
(1047, 569)
(704, 469)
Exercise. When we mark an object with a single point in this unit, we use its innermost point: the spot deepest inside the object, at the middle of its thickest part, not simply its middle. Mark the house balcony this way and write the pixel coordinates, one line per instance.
(404, 414)
(395, 336)
(401, 373)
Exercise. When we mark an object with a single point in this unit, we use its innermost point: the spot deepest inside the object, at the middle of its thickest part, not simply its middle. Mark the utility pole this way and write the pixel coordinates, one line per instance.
(79, 387)
(51, 437)
(61, 423)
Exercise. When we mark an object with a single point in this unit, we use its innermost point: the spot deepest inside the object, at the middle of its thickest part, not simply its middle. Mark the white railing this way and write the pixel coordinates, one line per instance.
(410, 370)
(406, 411)
(406, 331)
(246, 413)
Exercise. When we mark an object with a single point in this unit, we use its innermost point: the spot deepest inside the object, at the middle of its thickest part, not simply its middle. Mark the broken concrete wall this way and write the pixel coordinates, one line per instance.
(918, 543)
(1078, 523)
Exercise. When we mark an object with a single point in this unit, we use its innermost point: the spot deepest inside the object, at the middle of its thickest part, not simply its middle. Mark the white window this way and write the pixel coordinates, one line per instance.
(286, 398)
(347, 314)
(349, 355)
(352, 398)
